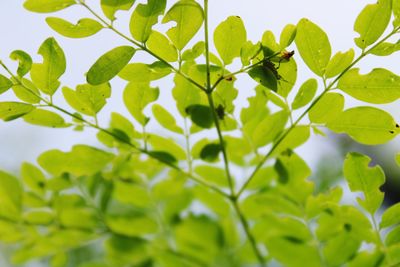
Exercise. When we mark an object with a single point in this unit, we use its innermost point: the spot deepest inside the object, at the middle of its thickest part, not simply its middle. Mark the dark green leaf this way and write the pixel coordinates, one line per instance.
(201, 115)
(210, 152)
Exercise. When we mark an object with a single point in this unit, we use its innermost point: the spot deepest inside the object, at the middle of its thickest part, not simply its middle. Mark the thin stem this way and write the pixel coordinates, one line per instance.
(249, 235)
(212, 105)
(188, 147)
(377, 231)
(141, 46)
(328, 88)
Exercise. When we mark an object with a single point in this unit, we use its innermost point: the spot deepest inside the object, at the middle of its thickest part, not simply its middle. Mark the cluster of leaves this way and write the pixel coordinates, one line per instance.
(146, 200)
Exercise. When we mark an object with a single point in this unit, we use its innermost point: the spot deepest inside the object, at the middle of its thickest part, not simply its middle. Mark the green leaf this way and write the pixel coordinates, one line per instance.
(136, 97)
(396, 12)
(132, 225)
(136, 72)
(160, 143)
(385, 49)
(210, 152)
(110, 7)
(249, 51)
(87, 99)
(264, 76)
(229, 37)
(287, 35)
(188, 15)
(193, 53)
(82, 160)
(287, 76)
(393, 237)
(327, 108)
(269, 128)
(45, 75)
(159, 44)
(368, 180)
(27, 92)
(87, 218)
(391, 216)
(296, 137)
(83, 28)
(372, 22)
(25, 62)
(47, 6)
(201, 115)
(5, 84)
(10, 196)
(269, 44)
(163, 156)
(33, 177)
(366, 125)
(123, 124)
(38, 217)
(380, 86)
(165, 119)
(212, 174)
(45, 118)
(59, 260)
(13, 110)
(313, 45)
(338, 63)
(109, 65)
(144, 17)
(131, 193)
(305, 94)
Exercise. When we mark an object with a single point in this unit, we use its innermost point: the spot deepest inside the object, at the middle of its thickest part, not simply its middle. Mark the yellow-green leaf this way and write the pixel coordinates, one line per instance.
(24, 62)
(380, 86)
(109, 65)
(305, 94)
(165, 119)
(313, 45)
(338, 63)
(372, 22)
(83, 28)
(229, 37)
(45, 118)
(13, 110)
(327, 108)
(361, 177)
(391, 216)
(45, 75)
(110, 7)
(366, 125)
(47, 6)
(188, 15)
(159, 44)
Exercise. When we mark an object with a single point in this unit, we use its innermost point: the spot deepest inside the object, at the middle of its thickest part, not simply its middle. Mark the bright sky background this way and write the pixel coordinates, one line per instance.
(20, 29)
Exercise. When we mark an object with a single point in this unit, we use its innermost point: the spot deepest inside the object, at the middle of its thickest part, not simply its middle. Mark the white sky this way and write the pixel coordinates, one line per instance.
(20, 29)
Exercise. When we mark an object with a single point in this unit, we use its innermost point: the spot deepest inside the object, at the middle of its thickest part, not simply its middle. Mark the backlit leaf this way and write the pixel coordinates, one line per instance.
(372, 22)
(81, 160)
(47, 6)
(305, 94)
(361, 177)
(144, 17)
(5, 84)
(13, 110)
(45, 75)
(249, 51)
(110, 7)
(264, 76)
(188, 15)
(327, 108)
(380, 86)
(313, 45)
(269, 128)
(161, 46)
(165, 119)
(229, 37)
(10, 196)
(391, 216)
(45, 118)
(83, 28)
(24, 62)
(109, 65)
(33, 177)
(287, 35)
(385, 49)
(136, 97)
(366, 125)
(338, 63)
(160, 143)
